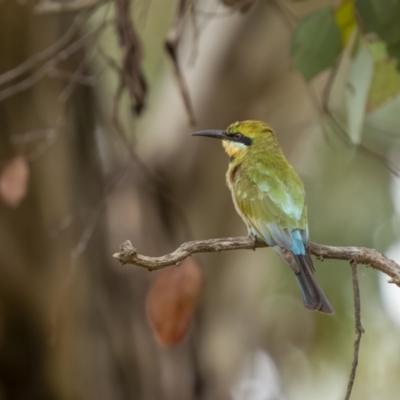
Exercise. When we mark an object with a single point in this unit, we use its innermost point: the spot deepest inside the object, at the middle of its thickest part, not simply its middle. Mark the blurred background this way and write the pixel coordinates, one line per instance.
(97, 102)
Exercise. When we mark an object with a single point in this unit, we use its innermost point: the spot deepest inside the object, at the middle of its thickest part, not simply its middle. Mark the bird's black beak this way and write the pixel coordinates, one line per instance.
(212, 133)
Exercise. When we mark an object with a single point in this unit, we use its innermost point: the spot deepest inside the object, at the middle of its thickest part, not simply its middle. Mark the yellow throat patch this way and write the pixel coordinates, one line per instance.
(234, 149)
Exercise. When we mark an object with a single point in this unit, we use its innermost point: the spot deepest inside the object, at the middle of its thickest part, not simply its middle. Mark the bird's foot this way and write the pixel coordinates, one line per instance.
(254, 238)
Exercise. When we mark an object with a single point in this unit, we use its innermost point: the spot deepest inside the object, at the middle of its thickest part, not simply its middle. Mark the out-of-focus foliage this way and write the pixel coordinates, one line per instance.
(309, 54)
(383, 19)
(365, 73)
(345, 19)
(385, 82)
(356, 89)
(316, 43)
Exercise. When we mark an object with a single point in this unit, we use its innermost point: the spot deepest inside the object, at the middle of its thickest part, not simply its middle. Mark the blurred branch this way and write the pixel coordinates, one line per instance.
(49, 52)
(28, 82)
(171, 48)
(242, 5)
(50, 66)
(132, 75)
(358, 328)
(360, 255)
(72, 77)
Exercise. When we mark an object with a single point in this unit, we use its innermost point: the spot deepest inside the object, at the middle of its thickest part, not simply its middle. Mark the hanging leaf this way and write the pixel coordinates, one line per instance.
(385, 83)
(316, 43)
(378, 50)
(357, 89)
(14, 181)
(336, 101)
(171, 301)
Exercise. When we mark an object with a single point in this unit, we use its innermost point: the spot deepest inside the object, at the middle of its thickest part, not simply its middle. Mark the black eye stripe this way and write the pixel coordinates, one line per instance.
(240, 138)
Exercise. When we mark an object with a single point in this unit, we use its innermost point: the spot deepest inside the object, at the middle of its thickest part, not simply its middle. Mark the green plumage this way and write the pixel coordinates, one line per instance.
(266, 188)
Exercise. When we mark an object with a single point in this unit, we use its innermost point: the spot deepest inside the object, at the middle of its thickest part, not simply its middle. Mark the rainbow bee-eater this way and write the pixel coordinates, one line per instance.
(269, 196)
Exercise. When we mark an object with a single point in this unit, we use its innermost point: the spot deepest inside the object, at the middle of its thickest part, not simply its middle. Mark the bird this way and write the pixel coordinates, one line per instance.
(269, 196)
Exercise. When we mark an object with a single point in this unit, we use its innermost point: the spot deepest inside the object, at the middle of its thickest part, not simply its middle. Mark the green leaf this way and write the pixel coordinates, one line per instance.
(345, 19)
(378, 50)
(356, 91)
(385, 84)
(381, 17)
(394, 51)
(316, 43)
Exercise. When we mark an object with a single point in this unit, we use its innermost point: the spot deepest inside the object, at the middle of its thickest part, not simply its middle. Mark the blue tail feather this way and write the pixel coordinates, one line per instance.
(297, 246)
(313, 296)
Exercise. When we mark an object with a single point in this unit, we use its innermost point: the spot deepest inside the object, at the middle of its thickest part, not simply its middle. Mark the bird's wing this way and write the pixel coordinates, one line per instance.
(274, 208)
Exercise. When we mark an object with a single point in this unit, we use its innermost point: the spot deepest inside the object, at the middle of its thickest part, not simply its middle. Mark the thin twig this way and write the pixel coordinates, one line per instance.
(361, 255)
(171, 48)
(132, 55)
(72, 77)
(49, 52)
(50, 65)
(28, 82)
(358, 328)
(31, 136)
(290, 19)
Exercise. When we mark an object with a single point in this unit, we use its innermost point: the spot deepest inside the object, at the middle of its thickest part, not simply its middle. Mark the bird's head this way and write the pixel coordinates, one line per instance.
(239, 137)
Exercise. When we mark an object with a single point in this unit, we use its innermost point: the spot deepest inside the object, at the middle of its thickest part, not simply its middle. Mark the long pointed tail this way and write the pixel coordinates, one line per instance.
(313, 296)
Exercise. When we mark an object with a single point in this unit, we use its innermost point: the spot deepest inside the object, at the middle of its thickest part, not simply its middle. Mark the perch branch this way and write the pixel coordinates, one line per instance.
(359, 255)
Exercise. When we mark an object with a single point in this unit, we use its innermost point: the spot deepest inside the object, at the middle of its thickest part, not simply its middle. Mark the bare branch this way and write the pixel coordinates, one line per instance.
(358, 328)
(28, 82)
(49, 52)
(50, 65)
(133, 77)
(31, 136)
(72, 77)
(171, 48)
(360, 255)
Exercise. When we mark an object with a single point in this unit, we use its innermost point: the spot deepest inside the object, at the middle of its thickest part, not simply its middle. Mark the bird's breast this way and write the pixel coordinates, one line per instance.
(234, 174)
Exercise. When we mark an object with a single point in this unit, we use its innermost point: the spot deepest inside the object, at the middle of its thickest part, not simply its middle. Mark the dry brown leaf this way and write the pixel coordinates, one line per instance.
(171, 301)
(14, 181)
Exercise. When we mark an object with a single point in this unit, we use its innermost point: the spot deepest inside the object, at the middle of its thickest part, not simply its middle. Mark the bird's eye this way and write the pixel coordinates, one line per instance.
(238, 136)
